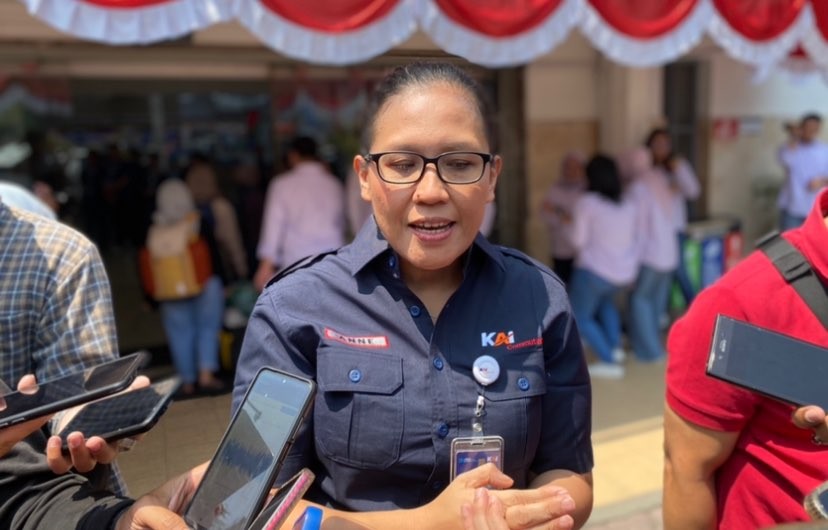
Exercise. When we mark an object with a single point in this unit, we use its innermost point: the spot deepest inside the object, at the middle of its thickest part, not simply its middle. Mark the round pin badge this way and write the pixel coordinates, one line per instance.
(486, 370)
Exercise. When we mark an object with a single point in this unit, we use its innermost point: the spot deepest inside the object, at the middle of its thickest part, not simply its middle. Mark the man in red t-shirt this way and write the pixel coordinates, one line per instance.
(734, 460)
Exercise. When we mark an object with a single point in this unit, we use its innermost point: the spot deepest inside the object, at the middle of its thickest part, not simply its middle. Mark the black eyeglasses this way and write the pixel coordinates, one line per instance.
(404, 167)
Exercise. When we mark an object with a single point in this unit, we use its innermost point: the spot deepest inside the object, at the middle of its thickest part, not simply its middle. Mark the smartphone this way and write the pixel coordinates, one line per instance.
(311, 519)
(239, 477)
(124, 415)
(72, 389)
(286, 498)
(472, 452)
(770, 363)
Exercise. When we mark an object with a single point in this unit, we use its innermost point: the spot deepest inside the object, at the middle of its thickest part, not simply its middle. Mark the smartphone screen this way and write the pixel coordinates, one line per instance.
(250, 454)
(769, 363)
(123, 415)
(70, 390)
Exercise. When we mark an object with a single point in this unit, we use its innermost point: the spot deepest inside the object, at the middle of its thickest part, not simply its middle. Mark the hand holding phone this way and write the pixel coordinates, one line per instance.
(250, 454)
(770, 363)
(124, 415)
(67, 391)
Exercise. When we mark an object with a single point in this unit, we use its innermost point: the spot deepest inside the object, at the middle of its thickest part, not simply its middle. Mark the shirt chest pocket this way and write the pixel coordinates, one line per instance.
(515, 409)
(358, 415)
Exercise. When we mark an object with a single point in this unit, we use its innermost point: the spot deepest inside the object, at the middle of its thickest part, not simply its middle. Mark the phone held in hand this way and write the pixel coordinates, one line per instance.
(70, 390)
(123, 415)
(250, 455)
(769, 363)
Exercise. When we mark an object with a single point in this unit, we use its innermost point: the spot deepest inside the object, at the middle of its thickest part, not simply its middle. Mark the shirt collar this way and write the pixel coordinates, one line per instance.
(814, 242)
(369, 243)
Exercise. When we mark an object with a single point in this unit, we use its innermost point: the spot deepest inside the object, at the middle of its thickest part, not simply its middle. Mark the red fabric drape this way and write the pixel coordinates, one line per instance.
(644, 19)
(125, 4)
(820, 9)
(499, 18)
(332, 17)
(760, 20)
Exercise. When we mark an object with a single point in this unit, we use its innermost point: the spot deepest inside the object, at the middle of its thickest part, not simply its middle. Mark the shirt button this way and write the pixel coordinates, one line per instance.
(437, 485)
(438, 363)
(392, 261)
(355, 375)
(523, 383)
(443, 430)
(414, 310)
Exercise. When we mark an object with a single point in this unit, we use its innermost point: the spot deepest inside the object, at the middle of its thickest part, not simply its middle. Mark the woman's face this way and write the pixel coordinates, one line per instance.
(430, 224)
(661, 147)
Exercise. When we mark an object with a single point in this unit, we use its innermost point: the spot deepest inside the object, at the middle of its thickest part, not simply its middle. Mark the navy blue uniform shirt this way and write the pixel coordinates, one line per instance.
(394, 388)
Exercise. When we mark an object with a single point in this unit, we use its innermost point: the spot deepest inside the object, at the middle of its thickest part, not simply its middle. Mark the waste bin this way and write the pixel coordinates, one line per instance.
(711, 248)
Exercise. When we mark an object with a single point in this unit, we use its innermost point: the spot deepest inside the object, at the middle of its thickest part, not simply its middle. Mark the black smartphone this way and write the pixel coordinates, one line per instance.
(72, 389)
(283, 502)
(238, 480)
(770, 363)
(124, 415)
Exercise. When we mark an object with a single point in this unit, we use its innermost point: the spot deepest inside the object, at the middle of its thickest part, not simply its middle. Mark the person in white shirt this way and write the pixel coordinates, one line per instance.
(683, 180)
(806, 164)
(603, 232)
(656, 225)
(556, 211)
(304, 213)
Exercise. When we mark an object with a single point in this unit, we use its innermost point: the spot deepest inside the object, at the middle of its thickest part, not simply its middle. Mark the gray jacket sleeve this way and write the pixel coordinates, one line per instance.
(32, 497)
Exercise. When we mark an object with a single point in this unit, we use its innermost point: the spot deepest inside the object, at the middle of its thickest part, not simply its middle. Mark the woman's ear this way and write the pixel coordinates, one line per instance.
(496, 167)
(362, 169)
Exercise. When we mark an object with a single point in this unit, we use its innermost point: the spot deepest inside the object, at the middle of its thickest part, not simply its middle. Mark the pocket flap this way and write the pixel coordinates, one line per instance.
(341, 370)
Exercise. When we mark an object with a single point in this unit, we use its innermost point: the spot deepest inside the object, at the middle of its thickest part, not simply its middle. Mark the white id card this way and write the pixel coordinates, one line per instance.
(469, 453)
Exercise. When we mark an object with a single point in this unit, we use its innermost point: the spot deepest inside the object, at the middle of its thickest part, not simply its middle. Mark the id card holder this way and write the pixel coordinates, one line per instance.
(470, 452)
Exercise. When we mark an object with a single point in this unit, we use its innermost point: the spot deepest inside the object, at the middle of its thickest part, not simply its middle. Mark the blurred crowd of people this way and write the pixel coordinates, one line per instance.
(616, 225)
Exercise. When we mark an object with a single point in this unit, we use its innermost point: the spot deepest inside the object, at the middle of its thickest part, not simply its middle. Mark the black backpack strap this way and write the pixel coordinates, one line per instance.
(796, 270)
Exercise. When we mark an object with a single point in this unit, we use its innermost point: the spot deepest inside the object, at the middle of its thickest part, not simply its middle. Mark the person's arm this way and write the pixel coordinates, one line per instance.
(270, 239)
(229, 235)
(686, 180)
(692, 454)
(444, 512)
(77, 330)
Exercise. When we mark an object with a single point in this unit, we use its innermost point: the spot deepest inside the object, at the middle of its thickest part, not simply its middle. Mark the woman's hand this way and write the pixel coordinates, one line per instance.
(485, 513)
(547, 507)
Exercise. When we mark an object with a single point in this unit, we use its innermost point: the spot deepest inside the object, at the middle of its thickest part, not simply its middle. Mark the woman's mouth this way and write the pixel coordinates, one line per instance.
(432, 230)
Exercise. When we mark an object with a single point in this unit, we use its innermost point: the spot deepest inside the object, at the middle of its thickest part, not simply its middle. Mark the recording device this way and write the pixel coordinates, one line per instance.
(123, 415)
(70, 390)
(241, 473)
(285, 500)
(770, 363)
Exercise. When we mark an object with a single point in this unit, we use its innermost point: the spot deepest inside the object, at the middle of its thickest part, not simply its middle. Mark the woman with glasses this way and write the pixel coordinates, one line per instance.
(434, 351)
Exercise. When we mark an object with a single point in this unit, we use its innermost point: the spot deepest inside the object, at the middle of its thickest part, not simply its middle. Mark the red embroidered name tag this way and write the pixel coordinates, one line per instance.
(378, 341)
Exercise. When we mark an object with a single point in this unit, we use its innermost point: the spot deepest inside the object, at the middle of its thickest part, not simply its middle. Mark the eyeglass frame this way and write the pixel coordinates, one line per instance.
(374, 157)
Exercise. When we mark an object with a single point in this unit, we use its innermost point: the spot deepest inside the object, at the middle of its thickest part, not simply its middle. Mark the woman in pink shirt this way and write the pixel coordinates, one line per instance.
(603, 232)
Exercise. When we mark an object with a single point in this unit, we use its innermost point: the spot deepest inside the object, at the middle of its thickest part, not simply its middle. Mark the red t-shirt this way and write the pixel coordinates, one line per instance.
(774, 464)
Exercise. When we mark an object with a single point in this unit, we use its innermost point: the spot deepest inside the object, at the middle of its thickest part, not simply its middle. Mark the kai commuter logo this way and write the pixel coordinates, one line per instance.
(497, 338)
